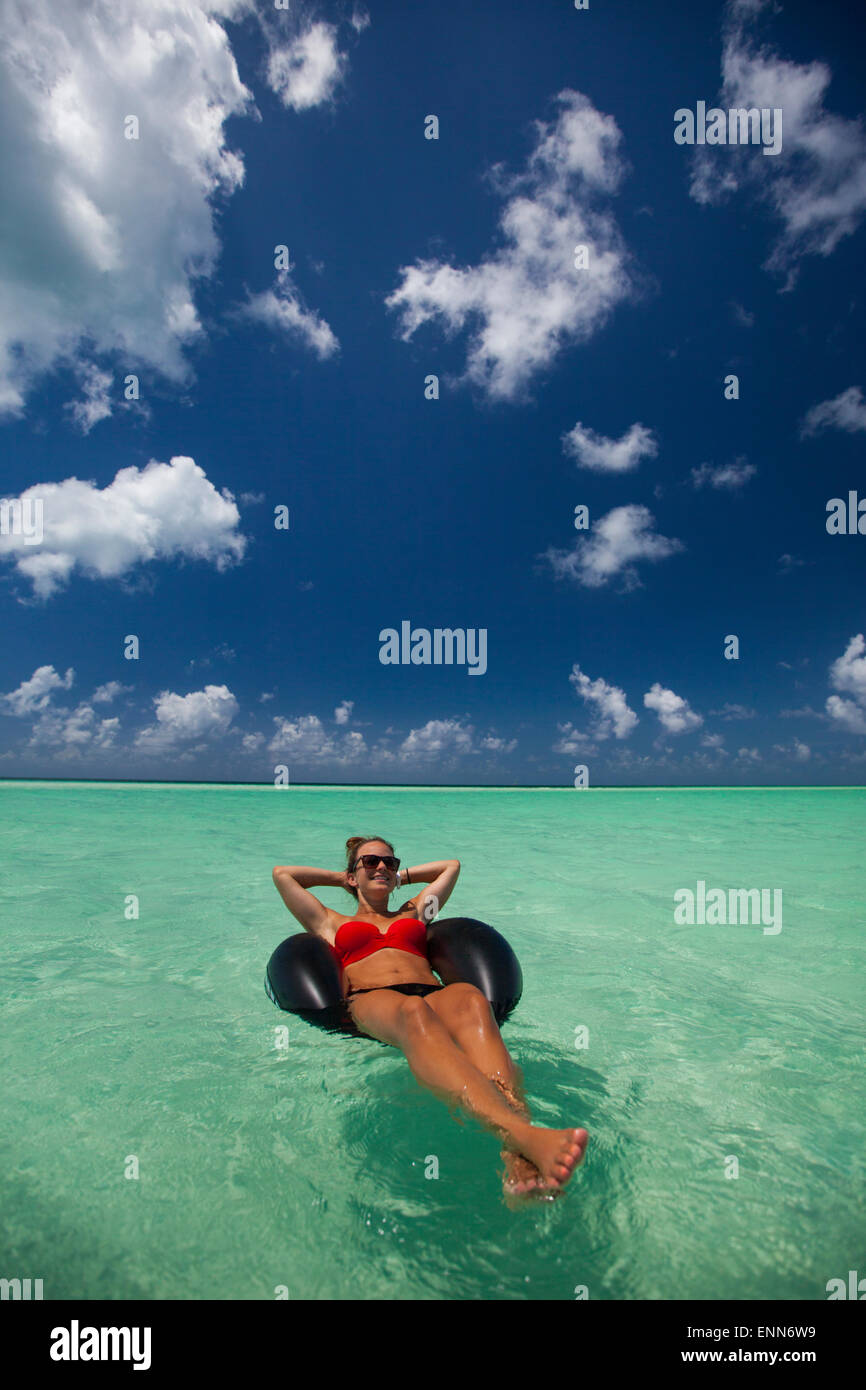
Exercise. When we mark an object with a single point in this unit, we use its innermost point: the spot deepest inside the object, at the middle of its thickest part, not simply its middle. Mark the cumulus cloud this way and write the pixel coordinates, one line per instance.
(490, 743)
(110, 233)
(612, 715)
(96, 404)
(591, 450)
(438, 737)
(729, 475)
(615, 544)
(343, 711)
(76, 731)
(674, 712)
(525, 301)
(283, 309)
(113, 235)
(306, 71)
(816, 185)
(799, 751)
(848, 674)
(202, 714)
(72, 731)
(160, 512)
(749, 755)
(572, 741)
(307, 740)
(35, 694)
(847, 411)
(104, 694)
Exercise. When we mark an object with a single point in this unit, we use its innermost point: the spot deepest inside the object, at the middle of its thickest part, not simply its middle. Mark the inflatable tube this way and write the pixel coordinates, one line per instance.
(303, 974)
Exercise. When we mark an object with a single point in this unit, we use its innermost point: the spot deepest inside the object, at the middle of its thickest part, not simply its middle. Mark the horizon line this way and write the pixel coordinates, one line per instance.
(451, 786)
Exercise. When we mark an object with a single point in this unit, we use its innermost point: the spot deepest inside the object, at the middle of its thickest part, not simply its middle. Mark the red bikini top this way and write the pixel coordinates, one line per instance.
(355, 939)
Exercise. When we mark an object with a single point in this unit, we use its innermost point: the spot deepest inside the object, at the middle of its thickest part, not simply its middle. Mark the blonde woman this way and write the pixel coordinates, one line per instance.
(447, 1033)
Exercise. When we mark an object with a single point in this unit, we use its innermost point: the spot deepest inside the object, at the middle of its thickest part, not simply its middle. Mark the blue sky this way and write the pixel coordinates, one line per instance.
(304, 387)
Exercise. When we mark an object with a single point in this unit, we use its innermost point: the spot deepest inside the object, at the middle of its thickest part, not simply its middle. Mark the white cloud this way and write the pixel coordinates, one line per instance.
(615, 543)
(749, 755)
(307, 740)
(161, 512)
(729, 711)
(848, 673)
(713, 741)
(306, 71)
(591, 450)
(75, 730)
(729, 475)
(788, 563)
(850, 716)
(493, 744)
(525, 302)
(572, 741)
(674, 712)
(203, 714)
(111, 234)
(742, 316)
(612, 713)
(847, 411)
(104, 694)
(96, 404)
(283, 309)
(35, 694)
(438, 737)
(114, 235)
(816, 185)
(343, 711)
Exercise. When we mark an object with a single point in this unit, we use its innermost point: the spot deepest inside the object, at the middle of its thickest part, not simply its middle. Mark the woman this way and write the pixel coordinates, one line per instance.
(447, 1032)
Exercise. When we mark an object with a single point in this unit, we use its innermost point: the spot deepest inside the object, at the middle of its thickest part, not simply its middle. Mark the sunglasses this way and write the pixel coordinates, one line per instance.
(372, 861)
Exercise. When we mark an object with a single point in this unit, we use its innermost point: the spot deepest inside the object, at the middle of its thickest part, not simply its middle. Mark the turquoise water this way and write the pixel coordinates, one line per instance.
(304, 1165)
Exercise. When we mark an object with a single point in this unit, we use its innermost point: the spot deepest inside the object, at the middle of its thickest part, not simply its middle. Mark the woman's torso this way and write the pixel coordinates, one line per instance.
(385, 966)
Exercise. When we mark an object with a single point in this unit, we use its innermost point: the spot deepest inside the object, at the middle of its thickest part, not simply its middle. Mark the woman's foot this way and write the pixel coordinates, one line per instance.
(522, 1182)
(555, 1152)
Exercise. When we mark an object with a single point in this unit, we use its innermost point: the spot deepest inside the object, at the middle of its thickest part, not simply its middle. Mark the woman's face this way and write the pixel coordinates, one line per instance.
(377, 879)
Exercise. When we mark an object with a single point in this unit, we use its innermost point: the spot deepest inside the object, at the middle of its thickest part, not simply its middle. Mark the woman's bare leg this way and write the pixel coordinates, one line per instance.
(469, 1019)
(438, 1064)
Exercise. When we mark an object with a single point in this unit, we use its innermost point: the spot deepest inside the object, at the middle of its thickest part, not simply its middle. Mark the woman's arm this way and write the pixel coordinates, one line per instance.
(292, 882)
(441, 876)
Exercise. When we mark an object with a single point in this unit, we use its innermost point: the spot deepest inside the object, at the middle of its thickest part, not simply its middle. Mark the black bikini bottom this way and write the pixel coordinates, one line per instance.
(411, 988)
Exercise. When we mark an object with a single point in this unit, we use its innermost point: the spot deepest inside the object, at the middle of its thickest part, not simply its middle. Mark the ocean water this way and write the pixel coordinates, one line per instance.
(150, 1043)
